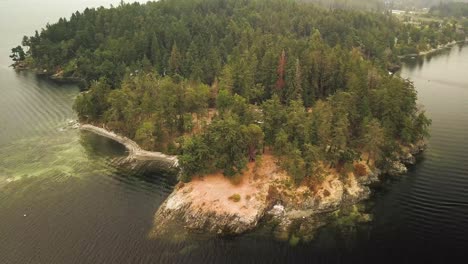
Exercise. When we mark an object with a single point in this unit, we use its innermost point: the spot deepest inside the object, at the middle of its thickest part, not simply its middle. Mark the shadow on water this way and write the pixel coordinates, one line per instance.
(95, 145)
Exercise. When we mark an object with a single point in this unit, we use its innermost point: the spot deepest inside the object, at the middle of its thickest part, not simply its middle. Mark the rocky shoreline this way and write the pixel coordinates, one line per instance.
(57, 76)
(135, 152)
(274, 202)
(271, 200)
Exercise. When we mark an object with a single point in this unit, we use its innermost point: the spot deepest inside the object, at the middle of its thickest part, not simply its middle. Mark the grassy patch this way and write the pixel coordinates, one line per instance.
(235, 197)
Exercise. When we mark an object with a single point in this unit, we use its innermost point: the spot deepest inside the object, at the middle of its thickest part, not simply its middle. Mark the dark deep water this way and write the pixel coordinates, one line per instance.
(62, 200)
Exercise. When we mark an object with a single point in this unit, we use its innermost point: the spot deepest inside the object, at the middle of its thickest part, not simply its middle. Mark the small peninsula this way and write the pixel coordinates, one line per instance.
(274, 111)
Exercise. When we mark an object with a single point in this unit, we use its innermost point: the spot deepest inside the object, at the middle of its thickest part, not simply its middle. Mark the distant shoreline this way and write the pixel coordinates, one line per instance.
(448, 45)
(427, 52)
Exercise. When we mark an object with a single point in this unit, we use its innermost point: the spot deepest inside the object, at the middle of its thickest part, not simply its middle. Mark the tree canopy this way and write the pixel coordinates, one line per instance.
(219, 81)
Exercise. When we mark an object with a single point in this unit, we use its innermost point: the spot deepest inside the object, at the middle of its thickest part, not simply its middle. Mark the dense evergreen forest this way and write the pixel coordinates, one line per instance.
(219, 82)
(111, 42)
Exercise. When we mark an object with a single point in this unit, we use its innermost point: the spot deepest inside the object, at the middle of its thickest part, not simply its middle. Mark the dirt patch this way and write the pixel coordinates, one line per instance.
(217, 192)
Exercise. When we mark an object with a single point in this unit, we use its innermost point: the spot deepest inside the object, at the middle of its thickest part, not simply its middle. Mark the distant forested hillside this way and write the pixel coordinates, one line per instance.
(457, 10)
(196, 38)
(369, 5)
(380, 5)
(201, 35)
(404, 4)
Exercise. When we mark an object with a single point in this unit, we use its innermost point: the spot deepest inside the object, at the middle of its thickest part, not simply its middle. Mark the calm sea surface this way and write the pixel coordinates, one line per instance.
(63, 201)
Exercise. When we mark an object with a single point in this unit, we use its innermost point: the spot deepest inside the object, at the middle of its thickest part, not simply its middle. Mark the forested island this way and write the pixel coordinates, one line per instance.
(291, 104)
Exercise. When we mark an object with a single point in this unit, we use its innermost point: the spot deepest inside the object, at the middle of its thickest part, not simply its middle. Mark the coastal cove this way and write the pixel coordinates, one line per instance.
(80, 193)
(136, 153)
(197, 207)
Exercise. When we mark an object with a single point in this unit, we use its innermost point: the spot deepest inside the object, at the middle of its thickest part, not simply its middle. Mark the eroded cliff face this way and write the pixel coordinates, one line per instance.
(407, 157)
(265, 193)
(306, 211)
(214, 204)
(198, 210)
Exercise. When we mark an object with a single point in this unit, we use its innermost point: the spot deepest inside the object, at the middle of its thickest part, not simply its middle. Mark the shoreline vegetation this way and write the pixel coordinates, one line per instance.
(54, 76)
(434, 50)
(58, 76)
(272, 109)
(442, 47)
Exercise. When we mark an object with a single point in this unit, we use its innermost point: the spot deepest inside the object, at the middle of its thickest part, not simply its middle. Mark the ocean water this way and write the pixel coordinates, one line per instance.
(62, 199)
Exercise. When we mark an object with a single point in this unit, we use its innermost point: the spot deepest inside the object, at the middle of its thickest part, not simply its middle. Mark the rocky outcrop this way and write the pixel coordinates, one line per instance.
(214, 204)
(409, 152)
(396, 168)
(204, 204)
(181, 207)
(303, 219)
(406, 158)
(371, 177)
(418, 147)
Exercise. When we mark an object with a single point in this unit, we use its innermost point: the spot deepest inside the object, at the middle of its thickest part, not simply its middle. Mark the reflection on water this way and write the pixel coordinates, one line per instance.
(417, 63)
(96, 146)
